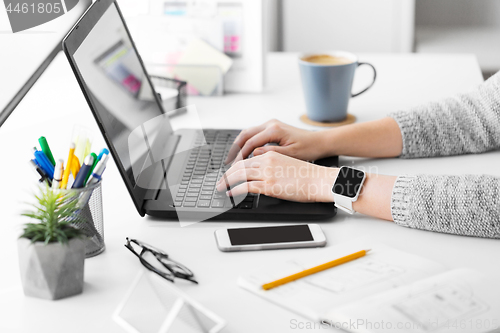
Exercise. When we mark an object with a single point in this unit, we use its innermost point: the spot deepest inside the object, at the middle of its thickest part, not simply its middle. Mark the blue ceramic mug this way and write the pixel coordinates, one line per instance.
(327, 82)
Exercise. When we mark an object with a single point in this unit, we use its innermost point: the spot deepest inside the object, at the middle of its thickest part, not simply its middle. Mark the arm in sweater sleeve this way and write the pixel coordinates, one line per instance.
(464, 205)
(466, 123)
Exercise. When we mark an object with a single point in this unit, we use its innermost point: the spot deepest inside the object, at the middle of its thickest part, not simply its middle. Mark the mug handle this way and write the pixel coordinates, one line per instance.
(371, 84)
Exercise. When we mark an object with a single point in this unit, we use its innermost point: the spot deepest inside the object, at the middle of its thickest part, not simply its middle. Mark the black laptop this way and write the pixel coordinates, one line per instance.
(169, 174)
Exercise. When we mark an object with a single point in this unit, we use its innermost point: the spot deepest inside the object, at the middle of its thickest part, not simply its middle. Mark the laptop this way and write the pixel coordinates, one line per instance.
(169, 174)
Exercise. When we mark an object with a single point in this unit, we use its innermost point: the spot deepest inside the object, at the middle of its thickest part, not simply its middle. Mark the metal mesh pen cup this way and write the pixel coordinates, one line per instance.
(89, 218)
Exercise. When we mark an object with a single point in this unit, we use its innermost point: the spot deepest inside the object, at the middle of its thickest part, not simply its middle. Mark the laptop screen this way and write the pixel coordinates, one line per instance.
(120, 93)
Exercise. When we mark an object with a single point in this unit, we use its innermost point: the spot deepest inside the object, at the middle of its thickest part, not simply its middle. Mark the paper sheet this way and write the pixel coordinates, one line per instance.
(383, 269)
(457, 301)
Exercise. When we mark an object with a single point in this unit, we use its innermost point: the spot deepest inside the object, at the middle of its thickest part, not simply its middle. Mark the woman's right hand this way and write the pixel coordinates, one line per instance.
(292, 141)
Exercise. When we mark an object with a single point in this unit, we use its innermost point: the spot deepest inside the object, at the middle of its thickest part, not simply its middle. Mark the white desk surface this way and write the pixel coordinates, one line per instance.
(56, 103)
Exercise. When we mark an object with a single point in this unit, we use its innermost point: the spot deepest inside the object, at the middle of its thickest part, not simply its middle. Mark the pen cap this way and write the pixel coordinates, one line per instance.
(96, 160)
(46, 149)
(43, 162)
(98, 170)
(103, 151)
(89, 160)
(84, 171)
(58, 171)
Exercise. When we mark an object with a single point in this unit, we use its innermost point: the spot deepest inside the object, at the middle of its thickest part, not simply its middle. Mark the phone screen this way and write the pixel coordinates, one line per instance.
(267, 235)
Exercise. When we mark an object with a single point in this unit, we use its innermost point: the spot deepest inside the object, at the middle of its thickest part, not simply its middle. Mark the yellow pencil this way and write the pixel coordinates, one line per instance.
(314, 270)
(68, 166)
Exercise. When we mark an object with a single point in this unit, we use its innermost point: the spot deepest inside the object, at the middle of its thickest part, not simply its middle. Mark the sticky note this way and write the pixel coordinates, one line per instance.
(196, 55)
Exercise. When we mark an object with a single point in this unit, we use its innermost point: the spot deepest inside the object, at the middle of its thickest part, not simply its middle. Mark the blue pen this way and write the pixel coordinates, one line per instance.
(43, 161)
(103, 151)
(84, 171)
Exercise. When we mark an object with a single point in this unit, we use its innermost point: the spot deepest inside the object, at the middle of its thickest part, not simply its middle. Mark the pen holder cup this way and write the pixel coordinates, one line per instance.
(90, 218)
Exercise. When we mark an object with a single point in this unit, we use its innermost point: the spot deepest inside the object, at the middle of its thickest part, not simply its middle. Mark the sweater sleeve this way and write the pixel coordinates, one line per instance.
(466, 123)
(464, 205)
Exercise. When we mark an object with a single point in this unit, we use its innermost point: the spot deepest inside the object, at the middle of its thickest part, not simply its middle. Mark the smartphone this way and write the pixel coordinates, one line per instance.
(267, 238)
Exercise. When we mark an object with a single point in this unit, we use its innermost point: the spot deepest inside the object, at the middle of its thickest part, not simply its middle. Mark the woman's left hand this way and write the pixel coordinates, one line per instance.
(280, 176)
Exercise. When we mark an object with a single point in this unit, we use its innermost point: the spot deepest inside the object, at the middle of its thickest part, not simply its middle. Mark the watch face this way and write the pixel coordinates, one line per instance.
(348, 182)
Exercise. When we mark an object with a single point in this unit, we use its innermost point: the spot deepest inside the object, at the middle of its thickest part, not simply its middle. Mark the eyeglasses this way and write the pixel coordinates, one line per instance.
(158, 261)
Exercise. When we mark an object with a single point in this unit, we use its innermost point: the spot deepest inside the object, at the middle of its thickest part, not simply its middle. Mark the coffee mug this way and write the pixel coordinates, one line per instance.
(327, 81)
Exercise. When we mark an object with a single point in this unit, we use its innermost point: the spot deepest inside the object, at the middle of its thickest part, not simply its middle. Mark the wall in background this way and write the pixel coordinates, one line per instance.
(272, 25)
(424, 26)
(460, 26)
(457, 13)
(354, 25)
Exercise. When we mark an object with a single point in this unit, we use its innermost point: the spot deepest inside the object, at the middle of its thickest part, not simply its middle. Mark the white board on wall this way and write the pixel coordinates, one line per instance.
(160, 28)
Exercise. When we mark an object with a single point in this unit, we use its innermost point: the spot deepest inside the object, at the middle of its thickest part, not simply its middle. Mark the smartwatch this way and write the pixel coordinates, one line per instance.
(347, 187)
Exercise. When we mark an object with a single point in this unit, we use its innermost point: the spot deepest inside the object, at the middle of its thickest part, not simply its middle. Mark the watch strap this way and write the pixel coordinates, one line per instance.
(343, 203)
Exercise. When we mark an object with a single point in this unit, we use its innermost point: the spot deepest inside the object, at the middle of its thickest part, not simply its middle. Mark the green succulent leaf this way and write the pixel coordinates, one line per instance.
(54, 210)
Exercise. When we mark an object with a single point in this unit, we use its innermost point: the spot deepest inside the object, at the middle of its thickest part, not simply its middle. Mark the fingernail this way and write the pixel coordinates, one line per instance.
(228, 193)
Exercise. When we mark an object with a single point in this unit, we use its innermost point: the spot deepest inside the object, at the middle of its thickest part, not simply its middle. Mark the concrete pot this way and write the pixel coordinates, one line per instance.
(52, 271)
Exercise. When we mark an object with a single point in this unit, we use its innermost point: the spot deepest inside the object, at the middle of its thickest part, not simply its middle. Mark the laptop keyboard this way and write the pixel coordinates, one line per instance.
(205, 166)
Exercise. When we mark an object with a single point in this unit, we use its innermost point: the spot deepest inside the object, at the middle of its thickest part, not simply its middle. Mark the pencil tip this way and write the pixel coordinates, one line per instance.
(368, 250)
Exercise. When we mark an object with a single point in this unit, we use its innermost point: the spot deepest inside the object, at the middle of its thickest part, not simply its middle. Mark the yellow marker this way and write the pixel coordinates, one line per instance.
(75, 166)
(69, 163)
(314, 270)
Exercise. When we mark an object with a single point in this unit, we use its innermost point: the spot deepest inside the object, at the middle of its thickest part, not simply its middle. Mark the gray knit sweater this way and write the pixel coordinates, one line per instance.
(465, 205)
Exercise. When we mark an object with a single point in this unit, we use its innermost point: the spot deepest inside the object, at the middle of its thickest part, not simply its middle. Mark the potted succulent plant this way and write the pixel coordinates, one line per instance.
(51, 251)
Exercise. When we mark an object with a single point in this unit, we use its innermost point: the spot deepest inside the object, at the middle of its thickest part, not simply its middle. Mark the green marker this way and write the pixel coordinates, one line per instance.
(46, 150)
(91, 168)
